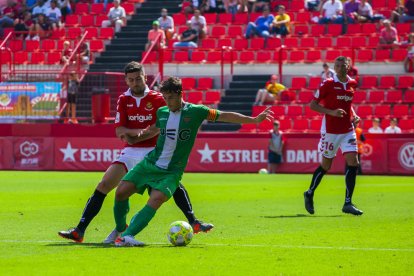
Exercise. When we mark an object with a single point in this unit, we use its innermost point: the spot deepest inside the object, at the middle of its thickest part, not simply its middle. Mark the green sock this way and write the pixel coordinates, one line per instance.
(121, 209)
(140, 221)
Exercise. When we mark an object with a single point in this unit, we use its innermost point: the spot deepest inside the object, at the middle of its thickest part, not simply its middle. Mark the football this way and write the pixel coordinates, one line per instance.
(180, 233)
(263, 171)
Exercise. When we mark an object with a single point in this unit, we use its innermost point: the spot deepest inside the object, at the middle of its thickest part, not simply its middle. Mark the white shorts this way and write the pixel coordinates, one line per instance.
(329, 143)
(130, 156)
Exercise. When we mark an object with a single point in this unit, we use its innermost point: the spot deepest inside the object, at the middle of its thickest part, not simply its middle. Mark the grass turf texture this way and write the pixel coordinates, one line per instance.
(261, 227)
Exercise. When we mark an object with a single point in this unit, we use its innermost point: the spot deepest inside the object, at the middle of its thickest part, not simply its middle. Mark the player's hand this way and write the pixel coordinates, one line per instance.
(338, 113)
(267, 114)
(144, 131)
(356, 120)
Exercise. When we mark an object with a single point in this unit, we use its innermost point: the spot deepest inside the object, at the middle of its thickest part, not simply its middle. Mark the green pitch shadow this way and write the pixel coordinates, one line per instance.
(300, 216)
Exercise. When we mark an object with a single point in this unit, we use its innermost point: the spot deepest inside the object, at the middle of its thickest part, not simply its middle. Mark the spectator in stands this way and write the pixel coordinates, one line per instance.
(261, 26)
(24, 24)
(375, 126)
(212, 6)
(365, 13)
(272, 92)
(166, 24)
(409, 60)
(353, 70)
(388, 35)
(312, 5)
(65, 8)
(351, 11)
(187, 7)
(327, 72)
(199, 23)
(331, 12)
(188, 38)
(281, 23)
(393, 128)
(260, 5)
(83, 52)
(232, 6)
(73, 88)
(117, 17)
(40, 8)
(152, 36)
(42, 27)
(403, 13)
(8, 15)
(66, 53)
(53, 15)
(276, 144)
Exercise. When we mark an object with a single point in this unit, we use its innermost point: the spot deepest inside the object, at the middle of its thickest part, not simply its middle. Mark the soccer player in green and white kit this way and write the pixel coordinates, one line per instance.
(162, 168)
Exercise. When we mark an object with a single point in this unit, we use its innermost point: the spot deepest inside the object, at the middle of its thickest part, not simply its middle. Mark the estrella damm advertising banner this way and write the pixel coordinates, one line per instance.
(29, 100)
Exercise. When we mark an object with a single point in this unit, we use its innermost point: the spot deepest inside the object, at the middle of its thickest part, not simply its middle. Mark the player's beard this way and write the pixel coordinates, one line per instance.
(138, 91)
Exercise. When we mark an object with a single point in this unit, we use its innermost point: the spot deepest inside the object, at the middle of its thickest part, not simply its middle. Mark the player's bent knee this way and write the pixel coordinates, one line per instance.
(106, 186)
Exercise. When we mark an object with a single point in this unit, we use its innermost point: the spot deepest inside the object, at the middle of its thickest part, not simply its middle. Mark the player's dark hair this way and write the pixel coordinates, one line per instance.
(133, 67)
(172, 85)
(342, 58)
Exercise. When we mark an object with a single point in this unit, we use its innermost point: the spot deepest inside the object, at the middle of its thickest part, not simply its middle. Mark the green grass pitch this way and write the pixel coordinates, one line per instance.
(261, 228)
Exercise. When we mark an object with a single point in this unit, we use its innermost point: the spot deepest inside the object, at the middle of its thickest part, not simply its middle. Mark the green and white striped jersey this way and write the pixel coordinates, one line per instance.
(178, 131)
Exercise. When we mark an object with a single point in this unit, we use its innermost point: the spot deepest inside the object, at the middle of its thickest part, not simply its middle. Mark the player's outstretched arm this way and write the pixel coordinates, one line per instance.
(234, 117)
(143, 134)
(314, 105)
(122, 131)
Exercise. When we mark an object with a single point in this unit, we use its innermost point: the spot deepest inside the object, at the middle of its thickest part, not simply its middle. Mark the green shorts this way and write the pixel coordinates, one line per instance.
(146, 175)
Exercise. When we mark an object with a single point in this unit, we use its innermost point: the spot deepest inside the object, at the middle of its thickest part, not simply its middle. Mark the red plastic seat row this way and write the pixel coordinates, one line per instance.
(202, 83)
(98, 8)
(74, 20)
(33, 58)
(371, 82)
(198, 97)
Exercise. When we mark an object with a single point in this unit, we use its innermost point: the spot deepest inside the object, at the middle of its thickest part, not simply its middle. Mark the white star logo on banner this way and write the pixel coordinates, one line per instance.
(69, 153)
(206, 154)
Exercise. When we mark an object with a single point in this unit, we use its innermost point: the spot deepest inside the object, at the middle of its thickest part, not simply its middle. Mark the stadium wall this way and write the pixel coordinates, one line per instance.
(93, 148)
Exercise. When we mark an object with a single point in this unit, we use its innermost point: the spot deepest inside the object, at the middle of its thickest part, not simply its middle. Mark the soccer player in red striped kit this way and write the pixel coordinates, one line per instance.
(334, 100)
(136, 110)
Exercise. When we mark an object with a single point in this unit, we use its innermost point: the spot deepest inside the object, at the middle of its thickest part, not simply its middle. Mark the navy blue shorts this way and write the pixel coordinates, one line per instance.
(274, 158)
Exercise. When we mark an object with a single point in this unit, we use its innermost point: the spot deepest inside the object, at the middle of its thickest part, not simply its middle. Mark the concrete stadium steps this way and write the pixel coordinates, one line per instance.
(238, 98)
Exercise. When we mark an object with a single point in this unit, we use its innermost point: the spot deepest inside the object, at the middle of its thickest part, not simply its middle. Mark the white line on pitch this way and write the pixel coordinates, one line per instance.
(257, 245)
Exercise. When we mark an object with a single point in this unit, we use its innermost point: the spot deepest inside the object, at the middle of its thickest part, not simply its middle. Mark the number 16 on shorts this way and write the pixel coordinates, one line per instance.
(329, 143)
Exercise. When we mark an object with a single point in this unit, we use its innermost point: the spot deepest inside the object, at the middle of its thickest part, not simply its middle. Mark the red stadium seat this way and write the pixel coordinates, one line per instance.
(87, 20)
(181, 57)
(297, 6)
(265, 126)
(72, 20)
(287, 97)
(399, 55)
(298, 83)
(256, 43)
(369, 28)
(257, 109)
(331, 55)
(364, 55)
(109, 6)
(16, 45)
(311, 113)
(291, 42)
(6, 57)
(360, 96)
(205, 83)
(179, 19)
(373, 41)
(313, 56)
(129, 8)
(400, 110)
(294, 110)
(92, 32)
(301, 29)
(59, 44)
(285, 124)
(188, 83)
(218, 31)
(305, 97)
(73, 33)
(37, 58)
(278, 111)
(209, 43)
(58, 34)
(403, 28)
(325, 42)
(353, 29)
(409, 96)
(296, 56)
(99, 19)
(214, 56)
(82, 8)
(247, 57)
(211, 18)
(344, 41)
(32, 45)
(97, 8)
(382, 55)
(264, 56)
(151, 57)
(364, 111)
(97, 46)
(241, 44)
(394, 96)
(368, 82)
(195, 97)
(307, 42)
(228, 56)
(334, 30)
(406, 125)
(386, 82)
(53, 58)
(303, 17)
(273, 43)
(225, 18)
(235, 31)
(359, 41)
(250, 128)
(212, 97)
(20, 57)
(254, 16)
(317, 30)
(241, 19)
(314, 82)
(383, 111)
(405, 82)
(277, 58)
(376, 97)
(315, 125)
(300, 124)
(168, 57)
(106, 33)
(224, 42)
